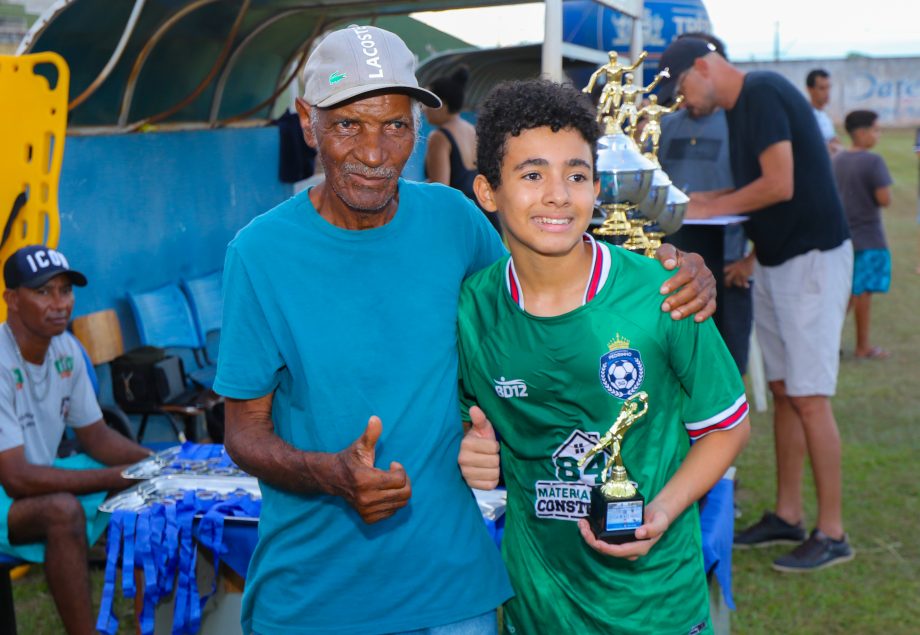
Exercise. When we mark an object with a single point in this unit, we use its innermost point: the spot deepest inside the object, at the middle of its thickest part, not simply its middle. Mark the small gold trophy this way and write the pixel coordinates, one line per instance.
(617, 506)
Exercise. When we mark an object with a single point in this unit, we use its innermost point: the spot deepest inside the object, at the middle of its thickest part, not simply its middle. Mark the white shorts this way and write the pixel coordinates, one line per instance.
(799, 308)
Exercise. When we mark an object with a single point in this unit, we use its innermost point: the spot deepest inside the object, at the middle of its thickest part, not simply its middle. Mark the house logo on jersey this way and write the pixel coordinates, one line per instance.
(508, 388)
(569, 496)
(622, 370)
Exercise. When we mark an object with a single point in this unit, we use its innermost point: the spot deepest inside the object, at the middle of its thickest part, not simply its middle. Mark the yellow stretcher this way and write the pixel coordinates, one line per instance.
(33, 121)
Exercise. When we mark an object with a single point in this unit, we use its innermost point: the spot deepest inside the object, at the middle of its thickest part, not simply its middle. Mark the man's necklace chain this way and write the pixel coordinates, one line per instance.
(34, 382)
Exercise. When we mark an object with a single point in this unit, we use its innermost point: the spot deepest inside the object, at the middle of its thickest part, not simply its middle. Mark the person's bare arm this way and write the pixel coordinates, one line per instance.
(21, 479)
(251, 441)
(774, 185)
(709, 195)
(107, 446)
(693, 286)
(703, 466)
(883, 196)
(739, 273)
(437, 158)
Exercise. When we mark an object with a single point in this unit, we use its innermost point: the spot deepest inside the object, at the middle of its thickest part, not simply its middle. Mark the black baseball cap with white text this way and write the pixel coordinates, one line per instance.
(34, 265)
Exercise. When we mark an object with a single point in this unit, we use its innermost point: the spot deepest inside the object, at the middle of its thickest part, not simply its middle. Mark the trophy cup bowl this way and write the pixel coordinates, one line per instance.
(672, 217)
(625, 175)
(653, 204)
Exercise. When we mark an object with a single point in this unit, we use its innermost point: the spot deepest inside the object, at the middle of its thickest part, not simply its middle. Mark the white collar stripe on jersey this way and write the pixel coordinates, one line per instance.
(600, 270)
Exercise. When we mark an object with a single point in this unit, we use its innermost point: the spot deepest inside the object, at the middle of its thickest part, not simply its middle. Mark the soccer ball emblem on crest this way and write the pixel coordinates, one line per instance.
(621, 371)
(624, 374)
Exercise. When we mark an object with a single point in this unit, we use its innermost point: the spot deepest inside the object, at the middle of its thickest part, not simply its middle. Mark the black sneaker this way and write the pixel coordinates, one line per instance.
(769, 530)
(818, 552)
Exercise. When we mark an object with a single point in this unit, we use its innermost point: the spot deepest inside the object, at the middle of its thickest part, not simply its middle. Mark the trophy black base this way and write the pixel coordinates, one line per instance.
(615, 521)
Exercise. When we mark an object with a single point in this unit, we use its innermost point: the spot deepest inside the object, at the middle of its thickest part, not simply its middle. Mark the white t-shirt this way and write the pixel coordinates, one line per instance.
(825, 125)
(32, 412)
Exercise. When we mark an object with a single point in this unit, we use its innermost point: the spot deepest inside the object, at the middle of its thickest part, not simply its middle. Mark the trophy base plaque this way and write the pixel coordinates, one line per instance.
(615, 521)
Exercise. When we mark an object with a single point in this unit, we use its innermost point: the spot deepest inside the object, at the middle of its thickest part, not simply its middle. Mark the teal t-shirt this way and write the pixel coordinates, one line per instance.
(342, 325)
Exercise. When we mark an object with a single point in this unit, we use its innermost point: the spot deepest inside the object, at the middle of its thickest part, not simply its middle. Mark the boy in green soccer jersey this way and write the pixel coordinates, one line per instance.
(552, 341)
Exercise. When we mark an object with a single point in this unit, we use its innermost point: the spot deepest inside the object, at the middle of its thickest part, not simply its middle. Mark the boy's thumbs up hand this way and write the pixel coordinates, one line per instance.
(479, 460)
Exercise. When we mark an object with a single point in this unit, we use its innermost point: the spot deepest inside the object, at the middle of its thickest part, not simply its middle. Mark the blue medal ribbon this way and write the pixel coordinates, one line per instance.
(185, 513)
(107, 622)
(127, 559)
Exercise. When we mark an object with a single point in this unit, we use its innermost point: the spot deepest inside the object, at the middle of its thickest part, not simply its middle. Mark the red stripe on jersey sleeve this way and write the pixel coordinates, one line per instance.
(725, 424)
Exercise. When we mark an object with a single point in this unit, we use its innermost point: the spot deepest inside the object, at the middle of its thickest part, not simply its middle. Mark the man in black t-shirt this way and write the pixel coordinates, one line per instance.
(802, 275)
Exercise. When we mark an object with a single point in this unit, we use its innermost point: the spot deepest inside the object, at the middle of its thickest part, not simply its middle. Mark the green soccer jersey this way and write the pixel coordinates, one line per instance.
(552, 387)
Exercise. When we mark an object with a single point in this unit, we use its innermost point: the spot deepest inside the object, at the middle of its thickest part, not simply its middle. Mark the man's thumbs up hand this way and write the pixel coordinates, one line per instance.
(375, 494)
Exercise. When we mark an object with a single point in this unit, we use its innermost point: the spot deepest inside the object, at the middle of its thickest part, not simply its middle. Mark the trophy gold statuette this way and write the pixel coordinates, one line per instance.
(617, 506)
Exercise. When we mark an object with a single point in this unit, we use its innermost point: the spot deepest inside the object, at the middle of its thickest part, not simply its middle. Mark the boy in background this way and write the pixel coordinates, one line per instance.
(552, 341)
(864, 185)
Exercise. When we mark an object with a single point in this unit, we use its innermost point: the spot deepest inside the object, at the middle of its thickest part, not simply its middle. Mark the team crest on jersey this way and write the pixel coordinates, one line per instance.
(569, 496)
(64, 366)
(508, 388)
(17, 375)
(622, 370)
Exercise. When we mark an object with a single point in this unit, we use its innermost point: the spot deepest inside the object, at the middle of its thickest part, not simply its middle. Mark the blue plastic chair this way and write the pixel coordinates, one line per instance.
(205, 297)
(164, 319)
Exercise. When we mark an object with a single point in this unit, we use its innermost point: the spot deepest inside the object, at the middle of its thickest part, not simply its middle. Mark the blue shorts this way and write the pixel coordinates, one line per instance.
(96, 521)
(871, 271)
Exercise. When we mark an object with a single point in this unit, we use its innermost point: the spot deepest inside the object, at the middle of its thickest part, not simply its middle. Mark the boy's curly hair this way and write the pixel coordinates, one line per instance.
(515, 106)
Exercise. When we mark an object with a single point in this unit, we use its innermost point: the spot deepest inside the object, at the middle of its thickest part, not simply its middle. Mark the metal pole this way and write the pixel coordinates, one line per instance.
(637, 45)
(552, 41)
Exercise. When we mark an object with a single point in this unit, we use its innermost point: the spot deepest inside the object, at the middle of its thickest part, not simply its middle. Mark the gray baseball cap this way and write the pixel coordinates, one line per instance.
(358, 60)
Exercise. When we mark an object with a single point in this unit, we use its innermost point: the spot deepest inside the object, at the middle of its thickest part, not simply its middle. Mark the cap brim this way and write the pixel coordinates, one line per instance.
(76, 278)
(666, 89)
(425, 96)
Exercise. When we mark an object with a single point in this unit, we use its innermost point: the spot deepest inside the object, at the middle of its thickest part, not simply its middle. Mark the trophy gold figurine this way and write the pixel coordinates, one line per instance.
(613, 71)
(630, 95)
(653, 113)
(617, 506)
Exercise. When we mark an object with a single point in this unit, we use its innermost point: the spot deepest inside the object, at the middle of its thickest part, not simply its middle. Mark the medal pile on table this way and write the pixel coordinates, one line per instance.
(153, 528)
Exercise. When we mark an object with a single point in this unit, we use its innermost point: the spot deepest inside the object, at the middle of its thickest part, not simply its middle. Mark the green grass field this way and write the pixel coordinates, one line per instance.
(878, 592)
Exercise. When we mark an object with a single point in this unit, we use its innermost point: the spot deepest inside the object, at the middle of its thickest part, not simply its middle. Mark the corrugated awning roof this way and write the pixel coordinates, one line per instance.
(488, 67)
(205, 62)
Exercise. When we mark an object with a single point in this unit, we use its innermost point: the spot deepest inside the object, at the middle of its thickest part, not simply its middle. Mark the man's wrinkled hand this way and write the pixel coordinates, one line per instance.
(479, 459)
(694, 284)
(375, 494)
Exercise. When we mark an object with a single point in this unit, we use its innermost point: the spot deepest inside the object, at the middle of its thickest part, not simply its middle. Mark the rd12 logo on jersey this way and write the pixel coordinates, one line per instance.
(622, 370)
(569, 496)
(508, 388)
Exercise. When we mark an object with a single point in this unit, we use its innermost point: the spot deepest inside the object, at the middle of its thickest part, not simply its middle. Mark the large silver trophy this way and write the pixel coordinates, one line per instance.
(638, 200)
